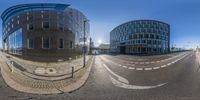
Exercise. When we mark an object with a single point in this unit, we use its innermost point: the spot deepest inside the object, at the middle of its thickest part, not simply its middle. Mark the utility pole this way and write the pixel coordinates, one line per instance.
(84, 24)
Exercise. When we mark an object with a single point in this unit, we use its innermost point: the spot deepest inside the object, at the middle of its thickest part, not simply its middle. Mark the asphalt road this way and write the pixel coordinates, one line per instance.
(112, 78)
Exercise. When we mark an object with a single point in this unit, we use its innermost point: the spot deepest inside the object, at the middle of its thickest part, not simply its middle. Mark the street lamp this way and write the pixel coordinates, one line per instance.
(84, 24)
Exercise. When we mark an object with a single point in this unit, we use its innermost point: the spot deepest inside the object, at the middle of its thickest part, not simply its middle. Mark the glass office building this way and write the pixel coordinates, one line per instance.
(44, 31)
(141, 37)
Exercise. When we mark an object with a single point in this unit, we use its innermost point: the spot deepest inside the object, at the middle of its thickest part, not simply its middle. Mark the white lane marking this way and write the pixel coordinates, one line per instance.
(147, 68)
(132, 68)
(139, 68)
(125, 66)
(173, 62)
(136, 87)
(169, 64)
(118, 77)
(163, 66)
(152, 62)
(156, 67)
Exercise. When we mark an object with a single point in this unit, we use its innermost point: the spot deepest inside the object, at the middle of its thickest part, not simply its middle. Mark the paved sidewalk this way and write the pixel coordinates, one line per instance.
(59, 68)
(16, 79)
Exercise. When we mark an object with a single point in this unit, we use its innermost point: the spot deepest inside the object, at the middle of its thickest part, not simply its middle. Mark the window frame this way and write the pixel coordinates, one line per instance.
(43, 43)
(62, 43)
(28, 43)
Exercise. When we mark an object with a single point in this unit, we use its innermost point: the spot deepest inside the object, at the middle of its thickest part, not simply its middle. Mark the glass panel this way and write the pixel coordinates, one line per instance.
(46, 43)
(45, 24)
(61, 43)
(15, 42)
(30, 43)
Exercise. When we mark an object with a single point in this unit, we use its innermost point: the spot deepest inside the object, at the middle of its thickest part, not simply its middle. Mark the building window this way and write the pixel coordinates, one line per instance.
(151, 36)
(45, 25)
(46, 16)
(18, 22)
(60, 27)
(30, 17)
(71, 44)
(15, 42)
(146, 36)
(30, 26)
(30, 43)
(143, 41)
(61, 44)
(45, 42)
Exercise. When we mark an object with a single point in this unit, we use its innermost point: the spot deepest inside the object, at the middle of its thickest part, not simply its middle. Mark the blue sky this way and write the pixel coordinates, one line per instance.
(104, 15)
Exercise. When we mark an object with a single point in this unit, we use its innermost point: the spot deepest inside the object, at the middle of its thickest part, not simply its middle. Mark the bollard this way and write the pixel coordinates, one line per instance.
(72, 71)
(12, 67)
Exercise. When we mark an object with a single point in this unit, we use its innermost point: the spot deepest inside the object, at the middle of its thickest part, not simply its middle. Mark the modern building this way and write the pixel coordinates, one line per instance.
(146, 37)
(104, 48)
(44, 31)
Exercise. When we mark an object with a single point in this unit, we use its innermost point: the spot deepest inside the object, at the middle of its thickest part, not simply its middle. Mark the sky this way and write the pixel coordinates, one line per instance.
(104, 15)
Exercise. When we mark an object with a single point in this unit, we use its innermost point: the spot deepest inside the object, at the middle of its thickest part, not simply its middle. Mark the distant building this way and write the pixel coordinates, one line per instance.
(91, 46)
(44, 31)
(141, 37)
(104, 48)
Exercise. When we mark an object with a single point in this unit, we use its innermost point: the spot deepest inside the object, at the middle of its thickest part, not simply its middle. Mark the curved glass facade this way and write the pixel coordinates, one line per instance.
(15, 42)
(47, 30)
(140, 37)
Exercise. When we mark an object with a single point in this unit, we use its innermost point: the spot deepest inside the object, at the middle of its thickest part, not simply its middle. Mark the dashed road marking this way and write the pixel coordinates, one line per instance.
(169, 64)
(163, 66)
(173, 62)
(152, 62)
(139, 68)
(125, 66)
(147, 68)
(156, 67)
(132, 68)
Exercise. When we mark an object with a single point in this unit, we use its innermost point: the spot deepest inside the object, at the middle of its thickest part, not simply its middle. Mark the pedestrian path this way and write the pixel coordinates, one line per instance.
(46, 68)
(21, 82)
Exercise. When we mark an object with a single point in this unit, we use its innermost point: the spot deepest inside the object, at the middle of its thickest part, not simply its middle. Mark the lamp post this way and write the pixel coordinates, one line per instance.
(84, 42)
